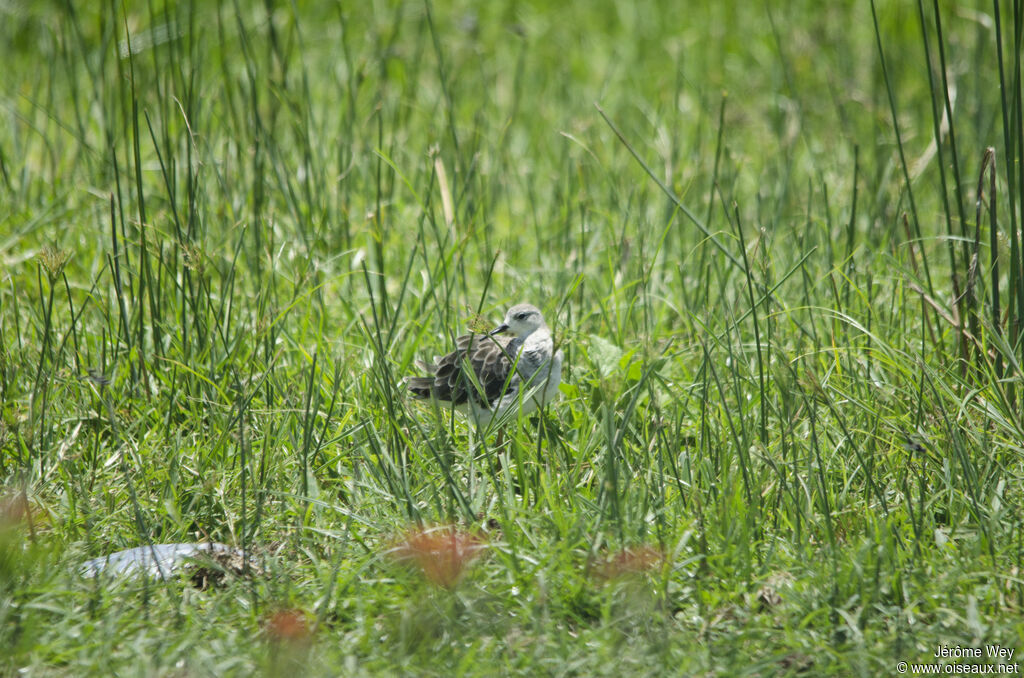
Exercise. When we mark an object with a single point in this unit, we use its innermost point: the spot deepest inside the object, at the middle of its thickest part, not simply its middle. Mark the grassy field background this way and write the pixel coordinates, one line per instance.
(790, 434)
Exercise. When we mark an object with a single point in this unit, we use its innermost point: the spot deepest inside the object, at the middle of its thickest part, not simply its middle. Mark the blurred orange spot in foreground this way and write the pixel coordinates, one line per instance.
(441, 553)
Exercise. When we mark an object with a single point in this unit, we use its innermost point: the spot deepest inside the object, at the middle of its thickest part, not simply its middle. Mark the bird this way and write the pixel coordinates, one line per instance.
(514, 367)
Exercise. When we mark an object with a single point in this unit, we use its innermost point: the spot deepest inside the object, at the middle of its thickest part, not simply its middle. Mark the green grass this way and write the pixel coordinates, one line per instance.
(790, 436)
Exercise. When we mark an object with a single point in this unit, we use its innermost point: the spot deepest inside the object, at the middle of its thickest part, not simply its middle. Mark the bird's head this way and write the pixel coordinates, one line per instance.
(521, 320)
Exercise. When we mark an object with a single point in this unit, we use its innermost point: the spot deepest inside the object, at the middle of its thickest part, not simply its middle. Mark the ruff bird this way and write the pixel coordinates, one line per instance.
(511, 368)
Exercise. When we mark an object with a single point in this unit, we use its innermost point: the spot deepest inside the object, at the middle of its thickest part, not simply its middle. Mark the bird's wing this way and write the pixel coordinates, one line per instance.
(491, 359)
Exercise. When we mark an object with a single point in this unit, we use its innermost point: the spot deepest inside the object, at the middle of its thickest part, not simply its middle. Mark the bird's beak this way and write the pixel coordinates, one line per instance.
(499, 329)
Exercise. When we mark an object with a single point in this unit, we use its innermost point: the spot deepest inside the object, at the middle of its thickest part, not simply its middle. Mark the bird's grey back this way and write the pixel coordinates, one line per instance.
(489, 358)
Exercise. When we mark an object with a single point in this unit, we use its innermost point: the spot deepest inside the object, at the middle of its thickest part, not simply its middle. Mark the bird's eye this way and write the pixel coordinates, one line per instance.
(520, 316)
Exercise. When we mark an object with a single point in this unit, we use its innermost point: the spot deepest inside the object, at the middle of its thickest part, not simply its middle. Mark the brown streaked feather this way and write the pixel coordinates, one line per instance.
(490, 358)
